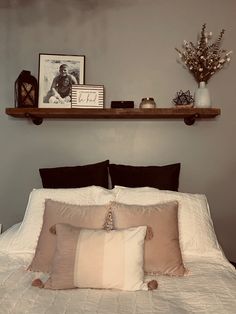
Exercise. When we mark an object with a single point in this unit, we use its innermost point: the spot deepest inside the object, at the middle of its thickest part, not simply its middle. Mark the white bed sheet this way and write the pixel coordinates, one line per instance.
(210, 288)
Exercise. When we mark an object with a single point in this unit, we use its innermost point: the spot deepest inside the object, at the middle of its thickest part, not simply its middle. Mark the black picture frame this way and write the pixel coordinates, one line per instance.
(57, 73)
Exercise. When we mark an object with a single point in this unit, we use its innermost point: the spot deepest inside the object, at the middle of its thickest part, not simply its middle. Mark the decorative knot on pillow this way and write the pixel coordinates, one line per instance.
(37, 283)
(108, 225)
(152, 285)
(52, 229)
(149, 233)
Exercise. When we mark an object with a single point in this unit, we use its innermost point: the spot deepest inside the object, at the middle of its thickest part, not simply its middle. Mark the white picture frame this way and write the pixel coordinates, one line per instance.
(57, 74)
(87, 96)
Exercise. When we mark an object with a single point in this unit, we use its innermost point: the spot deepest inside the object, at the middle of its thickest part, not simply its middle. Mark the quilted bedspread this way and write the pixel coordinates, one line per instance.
(209, 288)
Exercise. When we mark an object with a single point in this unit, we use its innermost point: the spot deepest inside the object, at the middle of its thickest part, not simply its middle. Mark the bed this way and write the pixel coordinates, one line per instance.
(208, 286)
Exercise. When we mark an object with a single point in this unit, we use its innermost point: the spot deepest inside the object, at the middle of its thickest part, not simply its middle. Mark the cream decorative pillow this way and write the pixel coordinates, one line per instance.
(162, 254)
(87, 258)
(84, 216)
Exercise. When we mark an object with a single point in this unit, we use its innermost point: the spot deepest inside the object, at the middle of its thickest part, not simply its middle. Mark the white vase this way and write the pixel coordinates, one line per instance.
(202, 97)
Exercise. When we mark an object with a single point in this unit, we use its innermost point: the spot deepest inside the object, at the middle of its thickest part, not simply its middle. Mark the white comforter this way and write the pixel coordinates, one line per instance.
(210, 288)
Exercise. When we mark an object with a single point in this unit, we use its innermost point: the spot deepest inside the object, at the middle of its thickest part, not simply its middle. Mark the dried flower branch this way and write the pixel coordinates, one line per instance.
(204, 60)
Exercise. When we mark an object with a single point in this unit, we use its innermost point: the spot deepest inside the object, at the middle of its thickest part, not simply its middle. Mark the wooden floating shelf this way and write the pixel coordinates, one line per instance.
(188, 114)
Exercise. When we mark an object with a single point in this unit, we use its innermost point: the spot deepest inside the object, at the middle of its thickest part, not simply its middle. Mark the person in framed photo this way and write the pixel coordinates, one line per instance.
(60, 91)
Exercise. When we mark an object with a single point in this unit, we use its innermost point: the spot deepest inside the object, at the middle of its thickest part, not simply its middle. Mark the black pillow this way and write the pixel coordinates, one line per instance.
(75, 177)
(160, 177)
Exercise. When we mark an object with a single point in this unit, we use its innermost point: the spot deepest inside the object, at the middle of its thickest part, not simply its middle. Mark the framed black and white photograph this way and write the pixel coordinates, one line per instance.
(57, 75)
(87, 96)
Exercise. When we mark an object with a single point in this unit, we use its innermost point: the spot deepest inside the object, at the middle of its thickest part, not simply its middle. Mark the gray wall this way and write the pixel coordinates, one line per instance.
(129, 47)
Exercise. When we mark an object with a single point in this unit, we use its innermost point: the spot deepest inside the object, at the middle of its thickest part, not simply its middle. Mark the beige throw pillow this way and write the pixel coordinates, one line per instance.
(162, 254)
(89, 258)
(86, 216)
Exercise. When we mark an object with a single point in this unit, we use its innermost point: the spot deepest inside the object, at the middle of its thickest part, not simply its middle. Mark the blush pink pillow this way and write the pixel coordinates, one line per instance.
(84, 216)
(162, 254)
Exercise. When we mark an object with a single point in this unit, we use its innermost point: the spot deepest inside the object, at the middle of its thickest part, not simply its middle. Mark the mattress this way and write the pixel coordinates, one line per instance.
(209, 288)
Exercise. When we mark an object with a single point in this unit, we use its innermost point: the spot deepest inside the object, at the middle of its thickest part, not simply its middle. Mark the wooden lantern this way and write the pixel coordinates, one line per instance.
(26, 90)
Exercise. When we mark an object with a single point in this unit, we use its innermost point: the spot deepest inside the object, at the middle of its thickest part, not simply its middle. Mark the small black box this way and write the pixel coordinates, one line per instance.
(122, 104)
